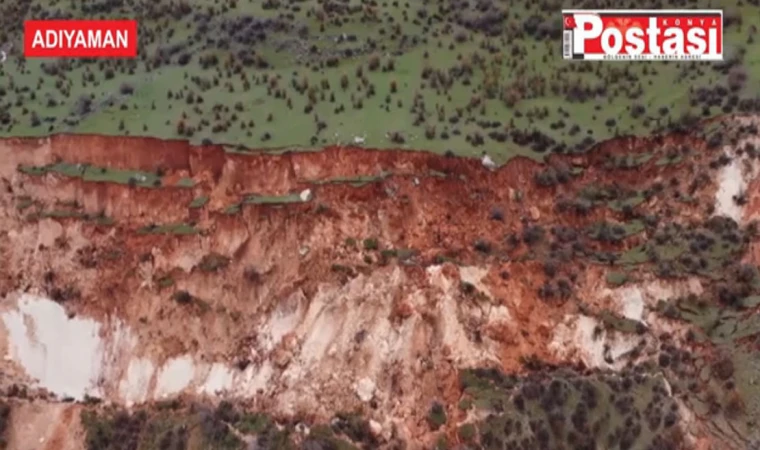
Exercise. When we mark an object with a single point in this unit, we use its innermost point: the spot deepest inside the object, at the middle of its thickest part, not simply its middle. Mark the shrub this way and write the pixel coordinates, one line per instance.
(467, 288)
(436, 417)
(723, 369)
(551, 267)
(214, 429)
(546, 291)
(442, 443)
(617, 278)
(373, 63)
(340, 268)
(533, 235)
(182, 297)
(371, 244)
(34, 119)
(113, 429)
(734, 406)
(63, 295)
(396, 137)
(355, 427)
(482, 246)
(565, 288)
(737, 78)
(546, 178)
(467, 432)
(126, 89)
(213, 262)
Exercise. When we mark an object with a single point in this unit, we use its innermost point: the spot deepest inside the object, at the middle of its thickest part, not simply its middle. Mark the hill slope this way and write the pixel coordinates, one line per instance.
(381, 297)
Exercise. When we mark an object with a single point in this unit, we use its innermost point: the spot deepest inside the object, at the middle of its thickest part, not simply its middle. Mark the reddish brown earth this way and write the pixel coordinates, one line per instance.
(417, 326)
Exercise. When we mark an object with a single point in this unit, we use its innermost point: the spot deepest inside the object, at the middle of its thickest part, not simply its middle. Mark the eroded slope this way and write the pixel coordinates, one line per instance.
(379, 286)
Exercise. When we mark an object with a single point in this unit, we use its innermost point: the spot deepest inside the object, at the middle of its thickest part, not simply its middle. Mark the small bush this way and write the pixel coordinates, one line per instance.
(482, 246)
(371, 244)
(617, 278)
(340, 268)
(373, 63)
(551, 267)
(213, 262)
(546, 178)
(723, 369)
(436, 417)
(533, 235)
(467, 432)
(182, 297)
(442, 443)
(69, 292)
(126, 89)
(165, 282)
(355, 427)
(396, 137)
(113, 429)
(496, 214)
(734, 406)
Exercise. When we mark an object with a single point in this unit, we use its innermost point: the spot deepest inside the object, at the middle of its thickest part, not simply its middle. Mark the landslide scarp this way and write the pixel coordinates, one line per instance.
(382, 297)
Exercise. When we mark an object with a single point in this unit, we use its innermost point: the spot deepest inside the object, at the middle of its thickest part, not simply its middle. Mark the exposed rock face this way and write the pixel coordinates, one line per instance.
(369, 295)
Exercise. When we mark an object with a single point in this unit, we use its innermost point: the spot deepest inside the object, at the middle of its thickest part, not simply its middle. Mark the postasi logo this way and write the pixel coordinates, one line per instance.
(643, 35)
(80, 38)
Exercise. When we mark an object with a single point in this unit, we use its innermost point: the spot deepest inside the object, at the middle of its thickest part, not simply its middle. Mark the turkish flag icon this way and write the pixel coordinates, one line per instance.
(569, 21)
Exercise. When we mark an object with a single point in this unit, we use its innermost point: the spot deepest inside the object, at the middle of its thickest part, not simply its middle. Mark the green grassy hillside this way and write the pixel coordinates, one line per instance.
(458, 75)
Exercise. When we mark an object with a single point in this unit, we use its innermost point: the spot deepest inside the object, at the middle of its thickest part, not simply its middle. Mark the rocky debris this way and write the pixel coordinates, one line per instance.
(373, 328)
(535, 214)
(365, 389)
(376, 428)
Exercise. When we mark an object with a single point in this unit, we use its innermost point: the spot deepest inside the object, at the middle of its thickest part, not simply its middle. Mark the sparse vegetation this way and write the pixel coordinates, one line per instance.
(182, 297)
(88, 173)
(198, 202)
(617, 278)
(172, 425)
(467, 432)
(177, 229)
(165, 282)
(482, 246)
(456, 80)
(467, 288)
(699, 249)
(354, 427)
(371, 244)
(271, 200)
(436, 416)
(213, 262)
(553, 406)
